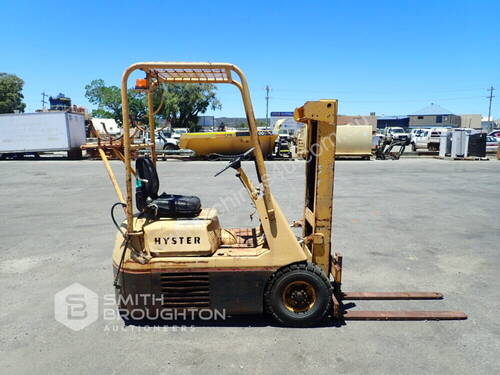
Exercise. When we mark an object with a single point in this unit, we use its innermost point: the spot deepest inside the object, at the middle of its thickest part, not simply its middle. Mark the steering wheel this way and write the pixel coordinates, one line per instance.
(236, 162)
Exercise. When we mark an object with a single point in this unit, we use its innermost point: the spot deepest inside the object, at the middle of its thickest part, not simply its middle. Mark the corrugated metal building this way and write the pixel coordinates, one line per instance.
(471, 121)
(434, 116)
(397, 121)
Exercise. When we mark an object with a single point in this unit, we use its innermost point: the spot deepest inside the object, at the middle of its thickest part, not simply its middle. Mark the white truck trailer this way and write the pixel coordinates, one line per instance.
(32, 133)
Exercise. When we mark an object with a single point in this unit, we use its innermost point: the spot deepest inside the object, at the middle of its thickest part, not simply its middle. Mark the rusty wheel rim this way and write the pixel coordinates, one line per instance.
(299, 296)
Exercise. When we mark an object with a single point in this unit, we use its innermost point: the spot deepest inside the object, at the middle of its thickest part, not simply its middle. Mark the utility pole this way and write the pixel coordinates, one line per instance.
(491, 96)
(267, 106)
(43, 100)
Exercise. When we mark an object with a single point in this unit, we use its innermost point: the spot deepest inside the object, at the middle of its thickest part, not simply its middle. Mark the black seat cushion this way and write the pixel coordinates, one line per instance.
(168, 205)
(165, 205)
(148, 177)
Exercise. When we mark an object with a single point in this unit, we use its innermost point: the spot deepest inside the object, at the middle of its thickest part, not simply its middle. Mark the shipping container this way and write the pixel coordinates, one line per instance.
(26, 133)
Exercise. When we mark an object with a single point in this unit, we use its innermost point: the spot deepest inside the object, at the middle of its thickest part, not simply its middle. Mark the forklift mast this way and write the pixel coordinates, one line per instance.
(320, 118)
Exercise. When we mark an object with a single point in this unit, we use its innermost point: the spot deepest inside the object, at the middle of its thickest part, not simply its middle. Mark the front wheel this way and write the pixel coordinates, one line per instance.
(170, 147)
(299, 295)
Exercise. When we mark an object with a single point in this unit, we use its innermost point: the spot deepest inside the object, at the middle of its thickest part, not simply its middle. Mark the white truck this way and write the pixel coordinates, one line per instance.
(177, 132)
(428, 139)
(164, 140)
(31, 133)
(397, 133)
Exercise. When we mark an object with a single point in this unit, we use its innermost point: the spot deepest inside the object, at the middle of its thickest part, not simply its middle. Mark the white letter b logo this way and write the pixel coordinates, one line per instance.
(76, 306)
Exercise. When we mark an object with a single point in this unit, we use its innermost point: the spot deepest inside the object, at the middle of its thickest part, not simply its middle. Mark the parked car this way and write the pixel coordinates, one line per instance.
(428, 139)
(285, 134)
(396, 134)
(492, 143)
(414, 133)
(164, 140)
(495, 133)
(177, 132)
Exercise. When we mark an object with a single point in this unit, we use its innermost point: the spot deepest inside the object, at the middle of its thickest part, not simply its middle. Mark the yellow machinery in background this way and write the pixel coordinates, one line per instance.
(172, 254)
(214, 144)
(353, 141)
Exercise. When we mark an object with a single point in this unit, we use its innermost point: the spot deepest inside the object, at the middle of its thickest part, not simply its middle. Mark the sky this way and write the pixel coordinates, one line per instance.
(388, 57)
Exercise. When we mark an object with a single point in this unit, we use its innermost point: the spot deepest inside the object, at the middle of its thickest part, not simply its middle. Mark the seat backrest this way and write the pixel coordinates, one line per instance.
(146, 171)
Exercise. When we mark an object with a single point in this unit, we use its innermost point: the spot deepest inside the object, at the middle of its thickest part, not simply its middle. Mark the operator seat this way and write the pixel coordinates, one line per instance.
(164, 205)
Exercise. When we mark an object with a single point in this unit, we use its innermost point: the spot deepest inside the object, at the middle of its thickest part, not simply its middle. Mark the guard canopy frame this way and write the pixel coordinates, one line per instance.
(187, 73)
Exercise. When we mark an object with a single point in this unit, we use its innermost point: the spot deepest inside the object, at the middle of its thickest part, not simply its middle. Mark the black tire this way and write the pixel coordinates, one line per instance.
(305, 279)
(413, 147)
(170, 147)
(213, 157)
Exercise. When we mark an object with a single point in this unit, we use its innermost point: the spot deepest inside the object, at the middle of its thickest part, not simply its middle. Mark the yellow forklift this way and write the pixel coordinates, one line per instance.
(172, 255)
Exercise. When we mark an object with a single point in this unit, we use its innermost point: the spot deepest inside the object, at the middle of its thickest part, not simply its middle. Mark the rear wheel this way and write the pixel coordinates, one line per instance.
(299, 295)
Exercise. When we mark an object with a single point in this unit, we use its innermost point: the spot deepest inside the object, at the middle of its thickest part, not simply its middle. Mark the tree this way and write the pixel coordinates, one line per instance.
(11, 97)
(109, 102)
(178, 104)
(181, 103)
(261, 123)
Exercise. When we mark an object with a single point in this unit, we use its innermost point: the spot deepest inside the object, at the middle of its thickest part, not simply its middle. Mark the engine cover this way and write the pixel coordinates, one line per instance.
(195, 236)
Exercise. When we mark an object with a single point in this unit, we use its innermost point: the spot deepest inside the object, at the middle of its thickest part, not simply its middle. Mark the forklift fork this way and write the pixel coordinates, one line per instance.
(339, 312)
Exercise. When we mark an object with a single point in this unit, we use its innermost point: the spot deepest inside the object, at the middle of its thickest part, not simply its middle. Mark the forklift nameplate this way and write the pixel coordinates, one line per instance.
(188, 240)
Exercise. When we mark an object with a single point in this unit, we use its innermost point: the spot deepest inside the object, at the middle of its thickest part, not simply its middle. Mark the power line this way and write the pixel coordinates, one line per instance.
(382, 91)
(423, 99)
